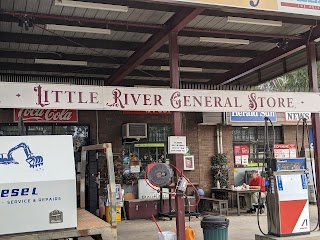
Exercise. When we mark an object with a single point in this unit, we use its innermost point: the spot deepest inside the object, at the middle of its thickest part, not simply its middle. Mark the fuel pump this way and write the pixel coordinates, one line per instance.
(287, 194)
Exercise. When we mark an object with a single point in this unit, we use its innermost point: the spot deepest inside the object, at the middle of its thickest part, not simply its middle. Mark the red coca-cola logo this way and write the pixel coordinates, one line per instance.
(46, 115)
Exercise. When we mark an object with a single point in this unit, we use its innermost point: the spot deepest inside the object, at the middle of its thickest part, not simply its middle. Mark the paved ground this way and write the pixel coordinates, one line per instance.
(242, 227)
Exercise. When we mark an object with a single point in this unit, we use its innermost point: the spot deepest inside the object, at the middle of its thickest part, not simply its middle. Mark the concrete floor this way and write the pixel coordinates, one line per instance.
(242, 227)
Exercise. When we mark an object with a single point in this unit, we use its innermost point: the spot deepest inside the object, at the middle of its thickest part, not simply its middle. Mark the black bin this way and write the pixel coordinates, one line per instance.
(215, 227)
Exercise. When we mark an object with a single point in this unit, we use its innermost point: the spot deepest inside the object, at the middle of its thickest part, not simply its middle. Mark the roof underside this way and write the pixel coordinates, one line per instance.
(131, 30)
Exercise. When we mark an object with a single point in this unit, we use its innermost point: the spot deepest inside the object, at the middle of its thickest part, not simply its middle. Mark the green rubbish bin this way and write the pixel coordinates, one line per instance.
(215, 227)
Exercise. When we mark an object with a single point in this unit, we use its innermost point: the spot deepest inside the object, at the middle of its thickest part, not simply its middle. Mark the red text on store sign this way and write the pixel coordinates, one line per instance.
(146, 112)
(46, 115)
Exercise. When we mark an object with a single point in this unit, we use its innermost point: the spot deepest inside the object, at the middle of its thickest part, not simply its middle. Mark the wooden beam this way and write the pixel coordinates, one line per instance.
(177, 131)
(120, 45)
(139, 27)
(213, 11)
(112, 60)
(98, 71)
(267, 58)
(315, 117)
(174, 24)
(128, 82)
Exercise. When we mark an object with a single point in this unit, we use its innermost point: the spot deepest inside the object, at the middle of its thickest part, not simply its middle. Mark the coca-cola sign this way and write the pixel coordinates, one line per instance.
(46, 115)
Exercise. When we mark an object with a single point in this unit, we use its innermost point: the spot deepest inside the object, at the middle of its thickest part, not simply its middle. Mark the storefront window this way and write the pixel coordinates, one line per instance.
(151, 149)
(80, 133)
(249, 146)
(159, 132)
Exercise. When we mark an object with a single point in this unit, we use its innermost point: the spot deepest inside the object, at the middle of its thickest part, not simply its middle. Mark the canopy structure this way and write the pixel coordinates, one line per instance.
(159, 43)
(128, 44)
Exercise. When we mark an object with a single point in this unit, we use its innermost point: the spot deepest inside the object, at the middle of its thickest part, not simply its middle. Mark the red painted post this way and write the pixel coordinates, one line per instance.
(313, 85)
(177, 130)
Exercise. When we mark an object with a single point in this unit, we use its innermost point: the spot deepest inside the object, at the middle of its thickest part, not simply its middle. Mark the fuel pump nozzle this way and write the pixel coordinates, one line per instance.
(268, 152)
(302, 152)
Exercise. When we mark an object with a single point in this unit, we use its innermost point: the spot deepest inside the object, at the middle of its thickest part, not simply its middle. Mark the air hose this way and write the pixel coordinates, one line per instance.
(268, 155)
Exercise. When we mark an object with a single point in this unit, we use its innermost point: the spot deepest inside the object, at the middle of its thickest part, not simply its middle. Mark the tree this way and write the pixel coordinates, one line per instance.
(293, 81)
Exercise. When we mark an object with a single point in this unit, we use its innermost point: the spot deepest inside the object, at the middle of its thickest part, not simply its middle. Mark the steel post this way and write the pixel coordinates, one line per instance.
(313, 85)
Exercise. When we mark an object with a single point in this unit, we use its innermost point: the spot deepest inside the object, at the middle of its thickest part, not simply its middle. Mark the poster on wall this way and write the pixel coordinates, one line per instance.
(285, 151)
(241, 155)
(244, 155)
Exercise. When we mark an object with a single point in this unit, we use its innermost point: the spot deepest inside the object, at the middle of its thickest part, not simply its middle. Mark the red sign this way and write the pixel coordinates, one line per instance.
(285, 151)
(241, 156)
(46, 115)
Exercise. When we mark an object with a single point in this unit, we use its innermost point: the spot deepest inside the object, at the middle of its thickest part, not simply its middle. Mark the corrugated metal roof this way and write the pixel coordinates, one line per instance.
(124, 32)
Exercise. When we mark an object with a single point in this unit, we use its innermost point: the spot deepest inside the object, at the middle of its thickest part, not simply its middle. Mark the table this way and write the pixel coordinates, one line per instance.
(238, 192)
(88, 225)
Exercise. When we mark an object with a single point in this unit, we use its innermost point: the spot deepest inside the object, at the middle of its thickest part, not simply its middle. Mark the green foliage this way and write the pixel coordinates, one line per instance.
(220, 169)
(130, 179)
(293, 81)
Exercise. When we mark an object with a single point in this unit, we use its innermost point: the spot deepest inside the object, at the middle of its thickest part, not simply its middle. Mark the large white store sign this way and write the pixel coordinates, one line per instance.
(57, 96)
(305, 7)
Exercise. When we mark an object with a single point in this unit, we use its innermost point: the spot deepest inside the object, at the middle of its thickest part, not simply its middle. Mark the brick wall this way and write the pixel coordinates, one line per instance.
(289, 135)
(200, 138)
(228, 149)
(6, 116)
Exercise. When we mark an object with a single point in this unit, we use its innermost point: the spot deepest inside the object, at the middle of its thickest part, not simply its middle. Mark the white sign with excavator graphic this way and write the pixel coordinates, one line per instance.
(37, 184)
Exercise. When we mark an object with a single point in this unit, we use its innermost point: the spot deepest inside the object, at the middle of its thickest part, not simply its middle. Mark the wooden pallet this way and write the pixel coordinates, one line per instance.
(88, 225)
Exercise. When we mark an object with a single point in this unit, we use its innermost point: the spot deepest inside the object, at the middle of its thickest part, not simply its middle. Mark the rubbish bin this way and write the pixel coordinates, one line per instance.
(215, 227)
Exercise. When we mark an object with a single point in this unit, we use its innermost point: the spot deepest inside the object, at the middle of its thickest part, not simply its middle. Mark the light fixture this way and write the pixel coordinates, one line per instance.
(98, 6)
(254, 21)
(77, 29)
(60, 62)
(283, 44)
(225, 40)
(182, 69)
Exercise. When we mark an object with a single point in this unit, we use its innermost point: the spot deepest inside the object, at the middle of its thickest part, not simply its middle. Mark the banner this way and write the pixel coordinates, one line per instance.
(252, 116)
(305, 7)
(58, 96)
(46, 115)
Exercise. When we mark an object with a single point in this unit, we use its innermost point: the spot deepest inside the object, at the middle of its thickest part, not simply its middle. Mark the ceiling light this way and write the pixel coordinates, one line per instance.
(61, 62)
(182, 69)
(77, 29)
(224, 40)
(90, 5)
(254, 21)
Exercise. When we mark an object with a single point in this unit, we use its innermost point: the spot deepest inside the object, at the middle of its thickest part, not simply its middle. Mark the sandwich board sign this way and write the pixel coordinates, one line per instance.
(37, 184)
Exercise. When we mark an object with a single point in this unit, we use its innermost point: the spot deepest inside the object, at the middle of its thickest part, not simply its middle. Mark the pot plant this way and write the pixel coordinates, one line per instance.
(220, 170)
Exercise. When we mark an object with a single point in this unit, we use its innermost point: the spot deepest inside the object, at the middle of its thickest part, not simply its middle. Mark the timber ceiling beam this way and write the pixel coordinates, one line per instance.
(97, 71)
(121, 45)
(139, 27)
(268, 58)
(215, 11)
(176, 23)
(67, 79)
(112, 60)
